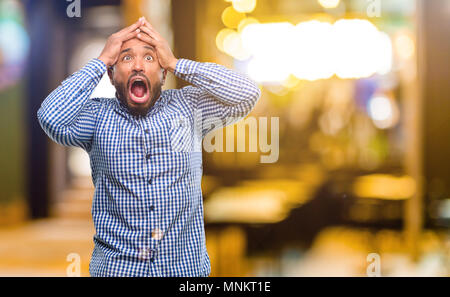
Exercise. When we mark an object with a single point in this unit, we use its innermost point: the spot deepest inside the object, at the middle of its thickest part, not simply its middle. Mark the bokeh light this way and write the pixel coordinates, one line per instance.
(245, 22)
(360, 48)
(232, 45)
(404, 46)
(12, 54)
(220, 37)
(329, 3)
(315, 50)
(271, 60)
(383, 111)
(312, 51)
(245, 6)
(231, 18)
(385, 186)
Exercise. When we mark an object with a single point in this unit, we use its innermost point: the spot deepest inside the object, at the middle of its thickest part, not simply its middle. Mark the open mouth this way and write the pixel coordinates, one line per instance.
(138, 89)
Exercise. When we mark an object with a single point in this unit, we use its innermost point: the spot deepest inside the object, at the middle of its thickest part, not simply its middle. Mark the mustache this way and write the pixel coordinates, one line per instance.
(141, 75)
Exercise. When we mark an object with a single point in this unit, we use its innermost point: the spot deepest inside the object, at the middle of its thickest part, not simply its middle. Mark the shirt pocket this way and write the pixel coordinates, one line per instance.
(180, 134)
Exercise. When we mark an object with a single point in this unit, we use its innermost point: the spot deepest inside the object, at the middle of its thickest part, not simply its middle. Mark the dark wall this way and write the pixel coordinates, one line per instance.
(434, 53)
(184, 30)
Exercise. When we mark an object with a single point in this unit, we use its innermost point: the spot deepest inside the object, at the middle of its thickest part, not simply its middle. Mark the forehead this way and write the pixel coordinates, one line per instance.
(135, 44)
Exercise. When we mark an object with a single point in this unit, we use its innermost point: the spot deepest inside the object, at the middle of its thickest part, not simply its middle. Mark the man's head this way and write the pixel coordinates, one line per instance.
(137, 76)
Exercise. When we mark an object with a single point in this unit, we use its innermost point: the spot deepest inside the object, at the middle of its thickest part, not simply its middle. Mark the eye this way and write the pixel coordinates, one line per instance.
(127, 58)
(148, 58)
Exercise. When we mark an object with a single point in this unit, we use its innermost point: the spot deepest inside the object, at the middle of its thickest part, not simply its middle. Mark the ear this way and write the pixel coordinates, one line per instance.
(111, 74)
(164, 73)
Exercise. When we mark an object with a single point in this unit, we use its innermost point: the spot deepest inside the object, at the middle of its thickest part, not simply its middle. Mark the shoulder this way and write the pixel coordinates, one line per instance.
(100, 103)
(181, 99)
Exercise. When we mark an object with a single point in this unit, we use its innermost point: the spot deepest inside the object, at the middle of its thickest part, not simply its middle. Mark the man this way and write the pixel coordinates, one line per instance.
(144, 150)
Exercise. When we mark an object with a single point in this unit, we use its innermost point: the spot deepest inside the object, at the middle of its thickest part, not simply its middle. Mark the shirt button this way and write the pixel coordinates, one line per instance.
(152, 259)
(150, 181)
(147, 156)
(152, 208)
(147, 131)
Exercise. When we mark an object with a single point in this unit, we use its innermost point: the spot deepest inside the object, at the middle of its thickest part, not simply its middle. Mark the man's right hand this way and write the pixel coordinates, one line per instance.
(112, 48)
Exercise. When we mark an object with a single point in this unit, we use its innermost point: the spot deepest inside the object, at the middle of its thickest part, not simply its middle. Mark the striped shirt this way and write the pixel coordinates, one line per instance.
(147, 207)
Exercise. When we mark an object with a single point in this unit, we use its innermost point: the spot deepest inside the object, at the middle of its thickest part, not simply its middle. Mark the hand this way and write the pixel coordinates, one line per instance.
(165, 56)
(111, 51)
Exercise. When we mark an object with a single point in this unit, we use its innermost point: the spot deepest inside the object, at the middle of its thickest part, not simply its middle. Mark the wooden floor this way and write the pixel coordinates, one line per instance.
(42, 248)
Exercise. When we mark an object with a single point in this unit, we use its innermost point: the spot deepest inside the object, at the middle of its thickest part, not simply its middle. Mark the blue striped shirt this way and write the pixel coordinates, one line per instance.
(147, 207)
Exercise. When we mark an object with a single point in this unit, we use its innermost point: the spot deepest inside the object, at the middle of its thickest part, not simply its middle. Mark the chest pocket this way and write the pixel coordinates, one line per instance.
(180, 133)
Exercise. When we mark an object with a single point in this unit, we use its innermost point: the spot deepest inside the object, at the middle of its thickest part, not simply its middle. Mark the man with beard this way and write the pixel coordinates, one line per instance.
(145, 150)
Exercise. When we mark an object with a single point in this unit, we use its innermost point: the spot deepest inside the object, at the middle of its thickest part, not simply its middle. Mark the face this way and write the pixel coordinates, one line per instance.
(137, 76)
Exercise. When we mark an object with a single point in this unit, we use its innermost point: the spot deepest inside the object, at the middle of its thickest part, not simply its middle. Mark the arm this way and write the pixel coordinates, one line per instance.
(219, 94)
(67, 115)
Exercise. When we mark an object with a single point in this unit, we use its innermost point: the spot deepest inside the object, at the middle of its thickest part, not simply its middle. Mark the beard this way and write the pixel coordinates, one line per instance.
(122, 93)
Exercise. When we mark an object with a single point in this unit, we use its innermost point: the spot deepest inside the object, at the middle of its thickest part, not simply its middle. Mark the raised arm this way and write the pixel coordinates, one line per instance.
(219, 96)
(67, 115)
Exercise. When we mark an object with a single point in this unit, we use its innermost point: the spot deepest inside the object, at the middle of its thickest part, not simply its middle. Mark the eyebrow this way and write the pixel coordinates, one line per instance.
(149, 47)
(125, 50)
(129, 49)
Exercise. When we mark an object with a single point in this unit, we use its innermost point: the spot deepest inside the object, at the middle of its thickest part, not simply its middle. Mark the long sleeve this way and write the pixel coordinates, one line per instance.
(218, 93)
(67, 115)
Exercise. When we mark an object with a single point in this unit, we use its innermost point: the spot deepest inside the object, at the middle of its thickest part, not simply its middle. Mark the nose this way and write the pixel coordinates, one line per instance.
(138, 65)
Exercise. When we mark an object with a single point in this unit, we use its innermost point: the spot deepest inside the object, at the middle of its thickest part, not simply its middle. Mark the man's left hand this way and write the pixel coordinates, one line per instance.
(165, 56)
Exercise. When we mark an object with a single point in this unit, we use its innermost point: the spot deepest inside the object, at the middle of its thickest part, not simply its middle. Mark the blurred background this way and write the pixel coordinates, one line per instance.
(360, 88)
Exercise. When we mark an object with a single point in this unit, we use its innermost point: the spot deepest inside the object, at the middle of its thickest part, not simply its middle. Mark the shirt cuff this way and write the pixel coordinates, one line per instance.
(185, 67)
(94, 69)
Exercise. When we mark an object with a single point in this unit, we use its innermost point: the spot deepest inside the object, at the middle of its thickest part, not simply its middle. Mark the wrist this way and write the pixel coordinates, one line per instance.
(172, 65)
(104, 60)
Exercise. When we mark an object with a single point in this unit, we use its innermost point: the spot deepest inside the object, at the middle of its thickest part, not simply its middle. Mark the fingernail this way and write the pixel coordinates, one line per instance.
(138, 30)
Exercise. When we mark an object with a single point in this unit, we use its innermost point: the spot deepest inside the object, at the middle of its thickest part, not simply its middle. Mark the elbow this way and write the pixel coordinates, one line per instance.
(256, 93)
(253, 96)
(40, 117)
(53, 131)
(44, 120)
(247, 105)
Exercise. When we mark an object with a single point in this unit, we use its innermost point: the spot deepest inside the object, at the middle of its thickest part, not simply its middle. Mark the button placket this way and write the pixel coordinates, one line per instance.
(143, 125)
(148, 154)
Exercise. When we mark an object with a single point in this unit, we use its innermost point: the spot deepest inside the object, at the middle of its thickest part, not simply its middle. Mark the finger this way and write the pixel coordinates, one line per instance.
(130, 35)
(146, 38)
(150, 32)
